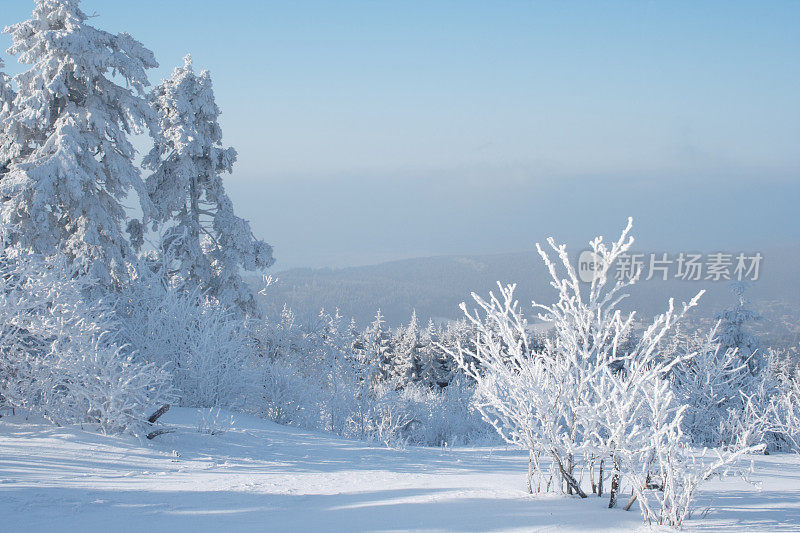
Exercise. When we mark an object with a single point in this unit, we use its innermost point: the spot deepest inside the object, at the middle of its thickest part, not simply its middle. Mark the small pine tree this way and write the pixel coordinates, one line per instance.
(377, 352)
(71, 162)
(435, 371)
(405, 366)
(205, 242)
(708, 381)
(733, 333)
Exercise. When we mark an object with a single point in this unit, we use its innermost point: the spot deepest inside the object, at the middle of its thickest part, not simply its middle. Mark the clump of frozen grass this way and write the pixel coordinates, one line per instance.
(214, 421)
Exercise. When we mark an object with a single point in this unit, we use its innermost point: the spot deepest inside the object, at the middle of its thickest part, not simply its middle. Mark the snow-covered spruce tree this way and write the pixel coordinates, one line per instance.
(732, 331)
(458, 336)
(374, 348)
(71, 162)
(404, 367)
(338, 370)
(709, 384)
(373, 360)
(434, 372)
(207, 242)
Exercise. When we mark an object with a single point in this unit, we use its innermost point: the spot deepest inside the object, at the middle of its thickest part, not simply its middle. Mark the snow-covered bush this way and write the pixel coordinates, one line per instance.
(710, 385)
(639, 423)
(287, 396)
(206, 347)
(317, 376)
(440, 417)
(112, 388)
(592, 391)
(784, 415)
(60, 355)
(730, 382)
(665, 470)
(770, 410)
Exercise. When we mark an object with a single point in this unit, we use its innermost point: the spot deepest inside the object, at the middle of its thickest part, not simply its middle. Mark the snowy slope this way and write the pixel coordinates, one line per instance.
(263, 477)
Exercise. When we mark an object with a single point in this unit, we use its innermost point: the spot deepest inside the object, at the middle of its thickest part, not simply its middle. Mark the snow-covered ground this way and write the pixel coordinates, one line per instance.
(260, 476)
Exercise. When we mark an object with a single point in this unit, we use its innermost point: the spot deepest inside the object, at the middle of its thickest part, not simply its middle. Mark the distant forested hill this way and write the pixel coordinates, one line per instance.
(434, 286)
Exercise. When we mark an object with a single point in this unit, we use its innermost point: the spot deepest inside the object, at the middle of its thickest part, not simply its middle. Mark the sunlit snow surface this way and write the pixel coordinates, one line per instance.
(260, 476)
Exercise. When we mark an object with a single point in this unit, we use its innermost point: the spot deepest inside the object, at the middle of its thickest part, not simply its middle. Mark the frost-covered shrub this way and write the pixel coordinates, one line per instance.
(591, 392)
(445, 416)
(784, 418)
(712, 384)
(116, 391)
(286, 396)
(59, 353)
(771, 408)
(729, 382)
(312, 378)
(206, 348)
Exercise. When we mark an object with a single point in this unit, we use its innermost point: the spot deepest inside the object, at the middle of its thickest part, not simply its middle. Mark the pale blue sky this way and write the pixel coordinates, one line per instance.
(378, 130)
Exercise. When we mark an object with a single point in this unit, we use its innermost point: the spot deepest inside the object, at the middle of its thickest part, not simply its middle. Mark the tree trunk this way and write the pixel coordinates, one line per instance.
(612, 501)
(600, 480)
(530, 471)
(155, 416)
(156, 433)
(570, 469)
(572, 484)
(630, 503)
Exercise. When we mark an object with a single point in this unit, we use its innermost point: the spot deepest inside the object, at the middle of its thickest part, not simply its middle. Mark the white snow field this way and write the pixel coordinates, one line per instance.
(259, 476)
